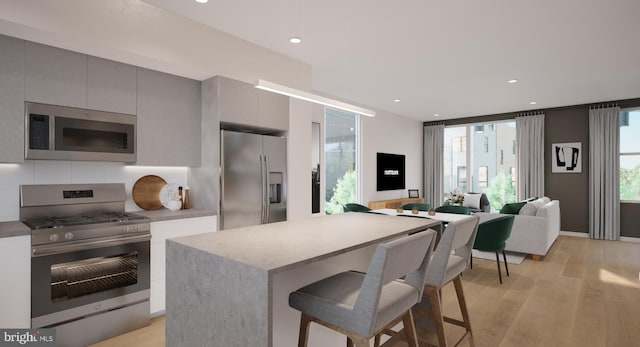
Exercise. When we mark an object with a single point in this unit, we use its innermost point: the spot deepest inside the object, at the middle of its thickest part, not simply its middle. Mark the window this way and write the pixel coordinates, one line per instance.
(340, 156)
(460, 144)
(483, 173)
(630, 155)
(462, 178)
(485, 164)
(455, 156)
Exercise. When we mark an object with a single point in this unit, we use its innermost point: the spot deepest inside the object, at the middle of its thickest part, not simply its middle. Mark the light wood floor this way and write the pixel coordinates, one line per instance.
(583, 293)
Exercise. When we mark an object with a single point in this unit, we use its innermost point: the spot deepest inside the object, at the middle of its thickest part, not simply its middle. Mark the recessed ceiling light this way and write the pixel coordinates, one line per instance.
(512, 81)
(533, 103)
(436, 114)
(396, 100)
(295, 39)
(202, 1)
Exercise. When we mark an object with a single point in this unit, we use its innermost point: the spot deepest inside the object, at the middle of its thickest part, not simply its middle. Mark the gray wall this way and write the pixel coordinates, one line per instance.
(571, 124)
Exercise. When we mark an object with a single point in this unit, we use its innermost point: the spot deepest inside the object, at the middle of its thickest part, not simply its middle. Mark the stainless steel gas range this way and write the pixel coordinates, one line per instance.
(90, 268)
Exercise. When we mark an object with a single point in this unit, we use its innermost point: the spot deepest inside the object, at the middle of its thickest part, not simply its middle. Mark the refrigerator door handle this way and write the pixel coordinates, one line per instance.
(263, 181)
(267, 189)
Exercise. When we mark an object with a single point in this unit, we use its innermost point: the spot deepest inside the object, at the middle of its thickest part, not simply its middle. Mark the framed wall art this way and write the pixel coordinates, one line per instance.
(566, 157)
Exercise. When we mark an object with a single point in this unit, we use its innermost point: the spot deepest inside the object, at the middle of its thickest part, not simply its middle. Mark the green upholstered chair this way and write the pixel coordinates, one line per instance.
(419, 206)
(454, 209)
(492, 236)
(355, 208)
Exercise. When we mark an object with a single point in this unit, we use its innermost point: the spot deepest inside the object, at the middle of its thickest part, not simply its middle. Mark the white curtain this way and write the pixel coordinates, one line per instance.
(530, 155)
(434, 164)
(604, 173)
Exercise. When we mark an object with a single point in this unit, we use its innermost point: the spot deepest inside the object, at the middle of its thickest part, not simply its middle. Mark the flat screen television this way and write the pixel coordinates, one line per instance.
(390, 171)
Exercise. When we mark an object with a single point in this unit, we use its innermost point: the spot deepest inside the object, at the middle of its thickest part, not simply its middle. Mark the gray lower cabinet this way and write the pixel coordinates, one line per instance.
(55, 76)
(111, 86)
(11, 100)
(241, 103)
(168, 119)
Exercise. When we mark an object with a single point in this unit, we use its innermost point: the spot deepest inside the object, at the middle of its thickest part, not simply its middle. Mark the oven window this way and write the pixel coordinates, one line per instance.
(89, 276)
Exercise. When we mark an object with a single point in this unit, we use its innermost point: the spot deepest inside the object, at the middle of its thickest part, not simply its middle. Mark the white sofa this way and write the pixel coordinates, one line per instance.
(535, 227)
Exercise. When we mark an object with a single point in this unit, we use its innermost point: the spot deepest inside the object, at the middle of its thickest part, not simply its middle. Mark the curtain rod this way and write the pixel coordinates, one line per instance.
(605, 105)
(530, 113)
(429, 124)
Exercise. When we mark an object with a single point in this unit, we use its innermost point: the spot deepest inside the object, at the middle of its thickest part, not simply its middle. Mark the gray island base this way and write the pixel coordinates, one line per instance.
(231, 288)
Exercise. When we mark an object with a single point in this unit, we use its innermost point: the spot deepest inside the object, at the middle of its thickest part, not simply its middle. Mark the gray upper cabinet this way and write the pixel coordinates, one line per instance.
(55, 76)
(168, 119)
(237, 102)
(241, 103)
(111, 86)
(11, 100)
(273, 110)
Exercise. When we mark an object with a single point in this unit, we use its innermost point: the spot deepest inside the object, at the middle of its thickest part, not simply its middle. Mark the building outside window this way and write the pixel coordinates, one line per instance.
(485, 165)
(341, 157)
(630, 155)
(483, 174)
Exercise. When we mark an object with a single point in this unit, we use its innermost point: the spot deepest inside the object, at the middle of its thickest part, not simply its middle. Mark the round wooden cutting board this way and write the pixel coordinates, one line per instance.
(146, 192)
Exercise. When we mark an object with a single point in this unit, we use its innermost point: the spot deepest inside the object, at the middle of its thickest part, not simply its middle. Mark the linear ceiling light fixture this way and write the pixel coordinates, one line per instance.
(299, 94)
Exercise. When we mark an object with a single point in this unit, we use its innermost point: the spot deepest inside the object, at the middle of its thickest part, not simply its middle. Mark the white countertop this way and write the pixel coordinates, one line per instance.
(444, 217)
(280, 246)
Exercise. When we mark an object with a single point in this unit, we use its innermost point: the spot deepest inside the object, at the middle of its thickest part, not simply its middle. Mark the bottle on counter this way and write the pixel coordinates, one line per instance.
(186, 204)
(180, 197)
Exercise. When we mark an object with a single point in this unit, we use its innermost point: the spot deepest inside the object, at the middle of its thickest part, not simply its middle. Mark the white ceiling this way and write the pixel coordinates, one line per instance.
(448, 57)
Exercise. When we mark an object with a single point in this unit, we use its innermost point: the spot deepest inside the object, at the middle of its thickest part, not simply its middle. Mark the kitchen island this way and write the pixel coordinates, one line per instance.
(231, 288)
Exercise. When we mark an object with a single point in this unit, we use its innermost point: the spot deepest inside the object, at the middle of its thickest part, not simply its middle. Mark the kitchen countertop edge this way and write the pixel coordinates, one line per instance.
(164, 214)
(13, 228)
(17, 228)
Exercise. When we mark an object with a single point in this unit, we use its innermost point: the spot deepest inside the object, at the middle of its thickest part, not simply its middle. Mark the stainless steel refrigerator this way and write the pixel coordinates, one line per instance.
(253, 179)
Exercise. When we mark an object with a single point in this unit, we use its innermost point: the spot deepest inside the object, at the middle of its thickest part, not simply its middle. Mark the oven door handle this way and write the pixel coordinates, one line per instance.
(40, 251)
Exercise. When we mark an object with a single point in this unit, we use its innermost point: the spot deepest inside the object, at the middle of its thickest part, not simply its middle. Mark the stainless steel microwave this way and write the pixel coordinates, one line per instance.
(69, 133)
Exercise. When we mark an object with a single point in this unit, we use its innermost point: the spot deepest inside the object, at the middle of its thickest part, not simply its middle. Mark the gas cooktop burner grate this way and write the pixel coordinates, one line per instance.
(67, 221)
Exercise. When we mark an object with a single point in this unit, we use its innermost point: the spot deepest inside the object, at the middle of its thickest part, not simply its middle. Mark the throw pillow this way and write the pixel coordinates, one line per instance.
(540, 202)
(530, 199)
(472, 200)
(529, 209)
(512, 208)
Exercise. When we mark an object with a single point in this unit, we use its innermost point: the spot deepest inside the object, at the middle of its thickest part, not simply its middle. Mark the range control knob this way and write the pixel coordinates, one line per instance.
(54, 237)
(130, 228)
(68, 236)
